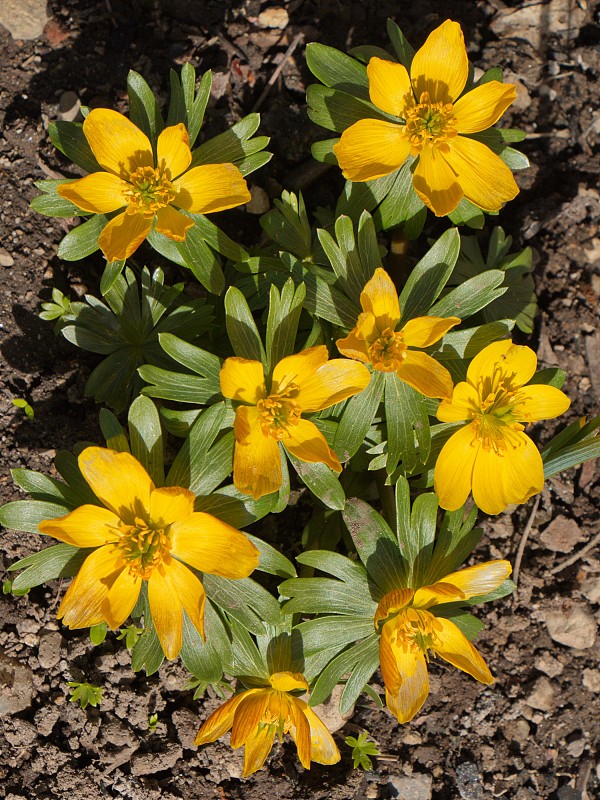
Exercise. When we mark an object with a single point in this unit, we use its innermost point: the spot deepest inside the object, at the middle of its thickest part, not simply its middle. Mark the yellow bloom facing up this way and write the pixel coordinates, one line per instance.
(143, 534)
(410, 631)
(256, 715)
(376, 341)
(434, 124)
(491, 456)
(148, 189)
(302, 384)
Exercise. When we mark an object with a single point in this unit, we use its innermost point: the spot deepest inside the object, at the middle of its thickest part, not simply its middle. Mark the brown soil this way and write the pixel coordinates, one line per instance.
(533, 734)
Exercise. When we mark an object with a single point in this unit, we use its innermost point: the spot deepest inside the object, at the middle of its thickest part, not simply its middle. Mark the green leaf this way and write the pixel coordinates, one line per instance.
(321, 481)
(82, 241)
(403, 50)
(59, 561)
(288, 225)
(233, 145)
(467, 214)
(337, 70)
(146, 438)
(467, 342)
(169, 385)
(419, 545)
(271, 560)
(110, 275)
(376, 545)
(405, 418)
(336, 110)
(235, 508)
(430, 275)
(218, 239)
(552, 376)
(98, 633)
(193, 358)
(200, 658)
(244, 600)
(68, 137)
(241, 328)
(341, 665)
(195, 102)
(566, 457)
(113, 432)
(361, 674)
(328, 303)
(42, 487)
(471, 296)
(51, 204)
(202, 260)
(282, 323)
(357, 417)
(324, 595)
(329, 632)
(143, 107)
(147, 654)
(25, 515)
(323, 151)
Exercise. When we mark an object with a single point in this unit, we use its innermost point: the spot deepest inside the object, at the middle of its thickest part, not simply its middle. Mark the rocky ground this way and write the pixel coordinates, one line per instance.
(533, 735)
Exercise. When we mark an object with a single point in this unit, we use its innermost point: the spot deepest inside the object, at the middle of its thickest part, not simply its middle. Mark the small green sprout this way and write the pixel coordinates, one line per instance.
(152, 722)
(7, 588)
(362, 748)
(20, 403)
(131, 634)
(85, 694)
(60, 307)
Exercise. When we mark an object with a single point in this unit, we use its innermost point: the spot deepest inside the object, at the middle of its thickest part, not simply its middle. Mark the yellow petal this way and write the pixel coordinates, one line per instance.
(123, 234)
(119, 146)
(256, 458)
(391, 603)
(436, 182)
(404, 672)
(299, 368)
(243, 380)
(118, 480)
(425, 374)
(300, 731)
(173, 150)
(221, 720)
(367, 328)
(484, 178)
(210, 188)
(453, 475)
(166, 608)
(454, 647)
(121, 598)
(354, 346)
(82, 604)
(371, 148)
(464, 404)
(248, 715)
(170, 504)
(483, 106)
(425, 331)
(173, 224)
(306, 442)
(516, 362)
(380, 298)
(209, 545)
(331, 383)
(511, 475)
(100, 192)
(323, 748)
(479, 579)
(436, 594)
(540, 402)
(86, 526)
(258, 747)
(288, 682)
(441, 66)
(190, 591)
(389, 86)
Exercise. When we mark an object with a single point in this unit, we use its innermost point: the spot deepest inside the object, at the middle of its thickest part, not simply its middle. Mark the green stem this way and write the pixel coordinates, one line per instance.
(387, 497)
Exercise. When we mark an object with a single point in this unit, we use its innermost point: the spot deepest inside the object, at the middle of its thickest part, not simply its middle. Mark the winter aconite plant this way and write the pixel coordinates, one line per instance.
(394, 399)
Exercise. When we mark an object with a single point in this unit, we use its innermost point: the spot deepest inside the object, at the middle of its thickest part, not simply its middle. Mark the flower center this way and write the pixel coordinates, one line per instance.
(150, 190)
(416, 630)
(143, 547)
(277, 714)
(388, 352)
(278, 411)
(495, 422)
(429, 124)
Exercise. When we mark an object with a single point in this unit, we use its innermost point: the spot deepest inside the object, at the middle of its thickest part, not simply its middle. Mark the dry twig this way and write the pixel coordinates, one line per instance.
(295, 42)
(524, 538)
(576, 556)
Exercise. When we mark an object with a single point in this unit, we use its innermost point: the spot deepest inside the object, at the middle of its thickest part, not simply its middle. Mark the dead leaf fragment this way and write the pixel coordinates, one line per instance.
(275, 17)
(574, 627)
(562, 535)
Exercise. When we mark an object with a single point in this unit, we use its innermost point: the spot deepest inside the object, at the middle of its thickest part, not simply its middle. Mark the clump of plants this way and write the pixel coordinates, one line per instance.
(399, 406)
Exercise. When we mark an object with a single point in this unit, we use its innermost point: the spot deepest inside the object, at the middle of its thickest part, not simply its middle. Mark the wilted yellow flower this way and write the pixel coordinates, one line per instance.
(256, 715)
(376, 341)
(491, 456)
(410, 631)
(301, 384)
(434, 123)
(143, 534)
(150, 191)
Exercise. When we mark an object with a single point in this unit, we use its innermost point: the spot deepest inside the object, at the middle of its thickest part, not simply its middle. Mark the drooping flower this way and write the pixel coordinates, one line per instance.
(149, 190)
(301, 384)
(410, 630)
(376, 341)
(143, 534)
(491, 456)
(434, 124)
(256, 715)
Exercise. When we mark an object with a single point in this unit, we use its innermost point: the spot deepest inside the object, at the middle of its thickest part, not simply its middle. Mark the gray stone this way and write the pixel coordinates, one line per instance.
(16, 686)
(24, 19)
(411, 787)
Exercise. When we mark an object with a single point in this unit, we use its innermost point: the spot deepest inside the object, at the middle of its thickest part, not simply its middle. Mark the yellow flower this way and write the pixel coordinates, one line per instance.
(148, 189)
(409, 630)
(376, 341)
(256, 715)
(143, 534)
(303, 383)
(491, 456)
(434, 125)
